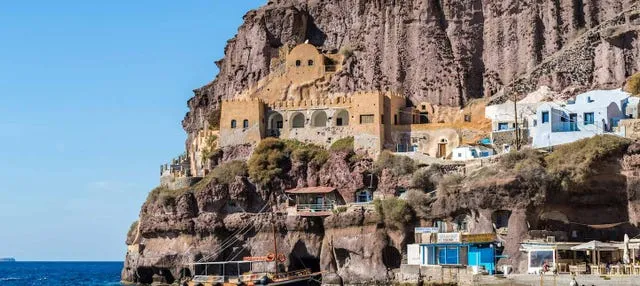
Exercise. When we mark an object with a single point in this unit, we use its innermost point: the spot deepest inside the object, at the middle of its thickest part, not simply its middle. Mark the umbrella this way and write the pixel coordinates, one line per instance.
(625, 256)
(596, 246)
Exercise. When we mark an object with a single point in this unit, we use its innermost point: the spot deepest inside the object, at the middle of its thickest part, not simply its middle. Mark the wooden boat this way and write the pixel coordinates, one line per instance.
(249, 271)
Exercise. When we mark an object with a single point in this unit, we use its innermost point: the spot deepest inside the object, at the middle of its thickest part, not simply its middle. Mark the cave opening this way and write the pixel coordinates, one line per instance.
(144, 275)
(342, 256)
(391, 257)
(300, 258)
(168, 276)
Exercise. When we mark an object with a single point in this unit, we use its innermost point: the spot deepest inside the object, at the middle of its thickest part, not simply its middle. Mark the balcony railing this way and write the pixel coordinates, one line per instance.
(314, 207)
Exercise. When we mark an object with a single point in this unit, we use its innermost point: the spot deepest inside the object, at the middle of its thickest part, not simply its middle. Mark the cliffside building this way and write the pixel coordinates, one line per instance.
(592, 113)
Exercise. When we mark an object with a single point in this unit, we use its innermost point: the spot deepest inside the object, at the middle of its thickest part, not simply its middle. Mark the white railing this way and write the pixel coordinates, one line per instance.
(314, 207)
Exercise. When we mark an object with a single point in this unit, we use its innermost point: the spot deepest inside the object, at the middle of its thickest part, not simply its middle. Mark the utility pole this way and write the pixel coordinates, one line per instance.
(275, 248)
(515, 115)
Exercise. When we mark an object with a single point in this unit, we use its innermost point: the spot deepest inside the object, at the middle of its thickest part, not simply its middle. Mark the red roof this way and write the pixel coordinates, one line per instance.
(311, 190)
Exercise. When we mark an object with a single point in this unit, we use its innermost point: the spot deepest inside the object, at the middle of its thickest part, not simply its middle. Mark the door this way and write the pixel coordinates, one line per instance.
(318, 202)
(442, 150)
(573, 122)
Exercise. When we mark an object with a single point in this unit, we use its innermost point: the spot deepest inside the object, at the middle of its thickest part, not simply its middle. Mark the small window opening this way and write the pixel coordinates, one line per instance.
(310, 63)
(298, 63)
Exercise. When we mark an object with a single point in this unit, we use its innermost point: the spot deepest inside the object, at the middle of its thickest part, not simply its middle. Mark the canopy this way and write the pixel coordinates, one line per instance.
(311, 190)
(595, 245)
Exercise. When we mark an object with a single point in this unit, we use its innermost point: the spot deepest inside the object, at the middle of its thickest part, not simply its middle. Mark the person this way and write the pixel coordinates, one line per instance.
(573, 281)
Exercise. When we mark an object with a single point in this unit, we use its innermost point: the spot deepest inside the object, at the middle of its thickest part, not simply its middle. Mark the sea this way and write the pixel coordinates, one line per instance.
(60, 273)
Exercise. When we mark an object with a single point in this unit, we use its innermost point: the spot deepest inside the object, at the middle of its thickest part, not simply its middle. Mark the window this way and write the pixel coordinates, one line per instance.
(366, 118)
(363, 196)
(424, 107)
(395, 119)
(245, 123)
(298, 63)
(588, 118)
(233, 123)
(545, 116)
(310, 63)
(503, 126)
(424, 117)
(467, 118)
(459, 155)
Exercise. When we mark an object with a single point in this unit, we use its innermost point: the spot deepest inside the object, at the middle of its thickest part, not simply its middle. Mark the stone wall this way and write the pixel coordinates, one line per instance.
(436, 274)
(175, 183)
(630, 128)
(499, 138)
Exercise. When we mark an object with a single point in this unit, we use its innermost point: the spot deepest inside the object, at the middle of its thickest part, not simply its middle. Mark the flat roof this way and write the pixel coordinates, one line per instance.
(311, 190)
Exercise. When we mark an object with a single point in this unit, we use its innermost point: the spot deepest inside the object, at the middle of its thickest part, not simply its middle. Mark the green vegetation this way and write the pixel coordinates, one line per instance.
(340, 209)
(419, 202)
(307, 153)
(572, 164)
(132, 229)
(426, 178)
(342, 145)
(398, 165)
(272, 158)
(214, 119)
(209, 151)
(394, 212)
(450, 181)
(165, 195)
(227, 172)
(346, 51)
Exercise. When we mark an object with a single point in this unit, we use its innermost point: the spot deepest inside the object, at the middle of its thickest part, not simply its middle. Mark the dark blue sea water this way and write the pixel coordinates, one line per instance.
(60, 273)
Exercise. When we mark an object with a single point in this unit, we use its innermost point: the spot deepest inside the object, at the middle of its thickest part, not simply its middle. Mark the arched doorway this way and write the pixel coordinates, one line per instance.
(297, 120)
(319, 118)
(341, 118)
(442, 148)
(275, 124)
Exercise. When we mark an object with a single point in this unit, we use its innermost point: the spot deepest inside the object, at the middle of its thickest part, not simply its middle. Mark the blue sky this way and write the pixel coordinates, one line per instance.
(92, 94)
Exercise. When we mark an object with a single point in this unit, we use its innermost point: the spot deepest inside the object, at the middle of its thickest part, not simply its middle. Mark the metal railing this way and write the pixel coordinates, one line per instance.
(314, 207)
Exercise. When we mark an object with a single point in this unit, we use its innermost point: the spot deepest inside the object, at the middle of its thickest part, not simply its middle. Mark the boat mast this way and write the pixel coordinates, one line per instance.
(275, 248)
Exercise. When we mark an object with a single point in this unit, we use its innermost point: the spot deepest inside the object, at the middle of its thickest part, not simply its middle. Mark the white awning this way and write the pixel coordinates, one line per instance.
(595, 245)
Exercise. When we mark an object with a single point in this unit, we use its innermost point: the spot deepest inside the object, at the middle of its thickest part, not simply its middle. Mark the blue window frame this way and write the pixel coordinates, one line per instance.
(448, 255)
(503, 126)
(589, 118)
(545, 116)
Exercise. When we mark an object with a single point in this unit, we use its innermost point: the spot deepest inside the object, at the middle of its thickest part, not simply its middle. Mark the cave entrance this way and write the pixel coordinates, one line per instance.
(342, 256)
(391, 257)
(144, 275)
(300, 258)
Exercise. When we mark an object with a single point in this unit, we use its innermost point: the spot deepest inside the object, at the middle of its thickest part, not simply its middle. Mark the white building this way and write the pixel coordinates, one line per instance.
(592, 113)
(467, 152)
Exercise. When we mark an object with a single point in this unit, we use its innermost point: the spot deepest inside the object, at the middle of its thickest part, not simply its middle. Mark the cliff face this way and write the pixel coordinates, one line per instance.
(441, 51)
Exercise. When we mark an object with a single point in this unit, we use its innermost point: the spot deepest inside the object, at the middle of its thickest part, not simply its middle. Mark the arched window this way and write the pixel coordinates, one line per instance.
(310, 63)
(342, 118)
(298, 63)
(319, 119)
(363, 196)
(297, 120)
(233, 123)
(245, 123)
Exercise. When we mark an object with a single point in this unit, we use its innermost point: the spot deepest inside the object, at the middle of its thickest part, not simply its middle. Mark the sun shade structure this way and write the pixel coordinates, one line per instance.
(311, 190)
(595, 245)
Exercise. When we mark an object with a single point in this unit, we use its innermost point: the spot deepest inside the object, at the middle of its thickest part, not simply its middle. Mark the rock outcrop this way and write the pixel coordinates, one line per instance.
(441, 51)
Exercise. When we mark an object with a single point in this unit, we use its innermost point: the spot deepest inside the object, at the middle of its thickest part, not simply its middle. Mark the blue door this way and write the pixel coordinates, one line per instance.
(482, 255)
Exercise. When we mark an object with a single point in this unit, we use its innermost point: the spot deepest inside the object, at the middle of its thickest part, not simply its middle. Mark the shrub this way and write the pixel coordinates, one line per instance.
(346, 51)
(426, 178)
(340, 209)
(399, 165)
(165, 195)
(268, 161)
(394, 212)
(307, 153)
(227, 172)
(419, 202)
(209, 150)
(131, 234)
(214, 119)
(633, 84)
(450, 181)
(529, 156)
(573, 163)
(342, 145)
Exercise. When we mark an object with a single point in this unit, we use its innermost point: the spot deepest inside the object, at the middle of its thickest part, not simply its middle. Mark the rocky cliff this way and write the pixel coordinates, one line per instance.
(441, 51)
(583, 191)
